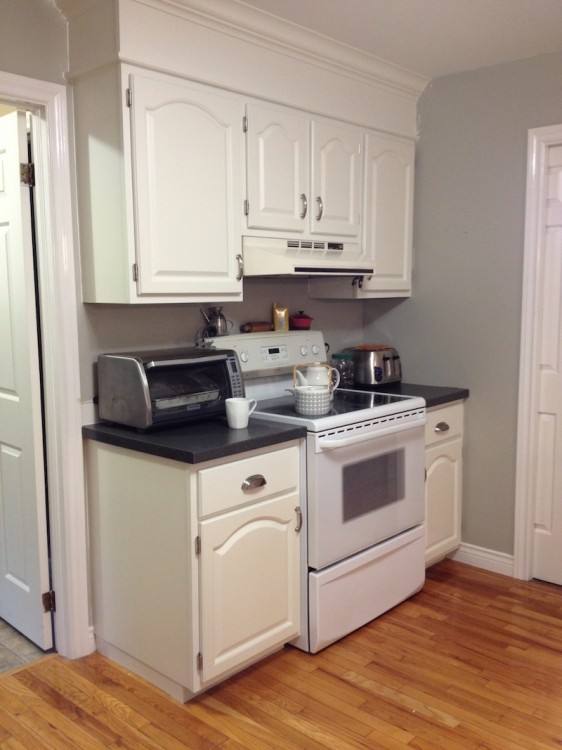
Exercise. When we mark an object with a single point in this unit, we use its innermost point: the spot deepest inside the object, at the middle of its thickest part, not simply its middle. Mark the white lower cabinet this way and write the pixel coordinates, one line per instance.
(195, 569)
(249, 597)
(443, 489)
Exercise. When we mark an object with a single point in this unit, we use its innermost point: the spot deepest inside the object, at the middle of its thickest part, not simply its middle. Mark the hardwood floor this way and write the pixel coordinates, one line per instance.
(473, 662)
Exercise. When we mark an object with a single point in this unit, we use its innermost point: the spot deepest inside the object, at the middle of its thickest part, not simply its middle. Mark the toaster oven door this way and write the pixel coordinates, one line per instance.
(182, 392)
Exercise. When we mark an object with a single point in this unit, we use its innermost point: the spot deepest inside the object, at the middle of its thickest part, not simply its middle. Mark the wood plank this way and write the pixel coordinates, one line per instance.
(472, 662)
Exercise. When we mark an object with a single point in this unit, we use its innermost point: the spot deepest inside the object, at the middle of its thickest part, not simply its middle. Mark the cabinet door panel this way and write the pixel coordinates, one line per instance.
(443, 499)
(389, 192)
(336, 179)
(187, 160)
(278, 168)
(249, 583)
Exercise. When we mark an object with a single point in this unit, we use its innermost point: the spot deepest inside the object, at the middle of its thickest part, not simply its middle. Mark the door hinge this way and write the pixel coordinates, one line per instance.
(27, 174)
(245, 124)
(197, 545)
(49, 602)
(135, 272)
(200, 661)
(128, 97)
(246, 207)
(425, 477)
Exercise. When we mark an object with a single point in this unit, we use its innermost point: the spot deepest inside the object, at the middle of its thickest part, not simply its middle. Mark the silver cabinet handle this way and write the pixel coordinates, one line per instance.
(254, 482)
(442, 427)
(304, 205)
(320, 211)
(298, 512)
(240, 261)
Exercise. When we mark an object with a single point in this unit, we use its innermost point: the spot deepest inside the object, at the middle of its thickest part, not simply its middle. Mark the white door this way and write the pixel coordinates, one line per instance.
(336, 179)
(24, 566)
(388, 213)
(278, 167)
(547, 548)
(249, 590)
(187, 163)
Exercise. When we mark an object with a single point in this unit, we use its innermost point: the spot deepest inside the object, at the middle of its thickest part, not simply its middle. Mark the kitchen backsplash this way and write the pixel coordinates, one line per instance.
(106, 328)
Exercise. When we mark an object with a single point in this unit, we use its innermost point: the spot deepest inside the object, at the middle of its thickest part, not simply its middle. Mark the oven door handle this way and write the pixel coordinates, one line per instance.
(187, 361)
(330, 444)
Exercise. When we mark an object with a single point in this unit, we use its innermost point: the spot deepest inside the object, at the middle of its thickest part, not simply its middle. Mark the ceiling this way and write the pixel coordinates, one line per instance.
(432, 37)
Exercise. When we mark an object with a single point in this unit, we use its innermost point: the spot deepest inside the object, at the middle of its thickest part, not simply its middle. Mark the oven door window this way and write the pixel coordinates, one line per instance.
(176, 390)
(373, 483)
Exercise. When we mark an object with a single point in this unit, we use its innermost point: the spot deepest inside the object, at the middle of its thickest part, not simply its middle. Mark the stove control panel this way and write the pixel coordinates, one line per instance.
(260, 352)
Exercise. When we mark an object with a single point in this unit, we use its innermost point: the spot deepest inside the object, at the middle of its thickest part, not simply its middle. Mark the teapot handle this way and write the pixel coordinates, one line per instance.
(336, 377)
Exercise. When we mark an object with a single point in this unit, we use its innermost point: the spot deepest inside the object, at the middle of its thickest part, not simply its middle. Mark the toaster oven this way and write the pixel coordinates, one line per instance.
(158, 388)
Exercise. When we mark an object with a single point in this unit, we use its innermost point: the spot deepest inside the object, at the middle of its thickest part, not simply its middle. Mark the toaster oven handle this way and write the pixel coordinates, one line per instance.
(187, 361)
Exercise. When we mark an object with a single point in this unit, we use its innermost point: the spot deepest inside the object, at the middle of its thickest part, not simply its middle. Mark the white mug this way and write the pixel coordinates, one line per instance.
(238, 412)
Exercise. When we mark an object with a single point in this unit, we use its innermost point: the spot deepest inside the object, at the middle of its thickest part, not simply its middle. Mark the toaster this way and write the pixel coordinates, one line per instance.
(375, 364)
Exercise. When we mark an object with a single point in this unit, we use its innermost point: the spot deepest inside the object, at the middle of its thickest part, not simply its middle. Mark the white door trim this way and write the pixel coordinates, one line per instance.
(538, 142)
(58, 310)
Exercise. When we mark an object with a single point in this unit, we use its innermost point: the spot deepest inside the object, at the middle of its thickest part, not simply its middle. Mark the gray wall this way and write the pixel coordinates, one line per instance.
(462, 325)
(33, 40)
(118, 327)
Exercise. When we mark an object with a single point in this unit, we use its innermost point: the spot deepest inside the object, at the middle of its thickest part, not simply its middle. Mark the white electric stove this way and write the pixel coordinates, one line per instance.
(364, 499)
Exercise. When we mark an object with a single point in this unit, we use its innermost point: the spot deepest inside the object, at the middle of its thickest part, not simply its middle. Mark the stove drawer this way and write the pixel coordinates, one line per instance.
(248, 480)
(350, 594)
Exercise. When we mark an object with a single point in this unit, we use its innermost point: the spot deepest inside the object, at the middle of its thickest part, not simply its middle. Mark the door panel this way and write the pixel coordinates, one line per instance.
(278, 168)
(24, 565)
(187, 162)
(249, 583)
(547, 494)
(336, 179)
(389, 194)
(443, 491)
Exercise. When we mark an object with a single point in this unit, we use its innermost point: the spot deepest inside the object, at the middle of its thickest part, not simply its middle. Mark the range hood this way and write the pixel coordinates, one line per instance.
(268, 256)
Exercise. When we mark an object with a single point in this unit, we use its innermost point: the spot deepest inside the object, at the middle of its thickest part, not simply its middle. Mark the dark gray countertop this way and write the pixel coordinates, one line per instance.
(434, 395)
(196, 442)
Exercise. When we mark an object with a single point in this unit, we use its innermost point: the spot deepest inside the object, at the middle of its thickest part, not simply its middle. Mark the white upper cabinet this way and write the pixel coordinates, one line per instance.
(278, 166)
(336, 179)
(187, 163)
(389, 200)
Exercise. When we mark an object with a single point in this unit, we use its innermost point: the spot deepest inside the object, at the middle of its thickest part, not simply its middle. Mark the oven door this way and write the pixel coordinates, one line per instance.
(362, 489)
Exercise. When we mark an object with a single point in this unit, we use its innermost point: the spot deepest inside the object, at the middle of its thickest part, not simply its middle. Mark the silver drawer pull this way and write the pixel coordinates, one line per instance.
(304, 205)
(442, 427)
(298, 527)
(254, 482)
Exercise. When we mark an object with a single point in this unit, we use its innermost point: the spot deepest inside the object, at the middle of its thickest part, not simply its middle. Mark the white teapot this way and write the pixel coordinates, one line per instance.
(317, 374)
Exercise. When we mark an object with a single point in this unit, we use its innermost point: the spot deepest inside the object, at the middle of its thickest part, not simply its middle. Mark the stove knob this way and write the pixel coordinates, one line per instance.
(244, 357)
(304, 351)
(315, 349)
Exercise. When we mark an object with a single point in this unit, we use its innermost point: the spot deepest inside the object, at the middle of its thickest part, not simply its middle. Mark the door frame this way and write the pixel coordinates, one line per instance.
(539, 140)
(55, 229)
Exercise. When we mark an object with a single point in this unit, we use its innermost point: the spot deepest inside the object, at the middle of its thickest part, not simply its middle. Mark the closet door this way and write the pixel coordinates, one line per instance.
(277, 168)
(187, 162)
(336, 179)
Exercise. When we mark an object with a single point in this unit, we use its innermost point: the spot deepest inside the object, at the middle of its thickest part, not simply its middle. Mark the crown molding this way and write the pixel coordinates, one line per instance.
(236, 18)
(244, 21)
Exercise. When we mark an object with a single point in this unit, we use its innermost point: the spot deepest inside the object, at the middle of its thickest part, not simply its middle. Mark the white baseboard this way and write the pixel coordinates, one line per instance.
(488, 559)
(92, 638)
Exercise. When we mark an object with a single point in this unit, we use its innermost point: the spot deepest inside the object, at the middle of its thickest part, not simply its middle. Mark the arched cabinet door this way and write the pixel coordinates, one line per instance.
(443, 492)
(278, 168)
(249, 583)
(389, 201)
(336, 179)
(187, 186)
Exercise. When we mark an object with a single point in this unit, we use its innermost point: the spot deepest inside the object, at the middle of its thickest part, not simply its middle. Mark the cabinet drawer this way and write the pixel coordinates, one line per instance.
(443, 424)
(248, 480)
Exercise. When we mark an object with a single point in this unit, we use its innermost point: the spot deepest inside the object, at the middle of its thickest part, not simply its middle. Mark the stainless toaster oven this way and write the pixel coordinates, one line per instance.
(157, 388)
